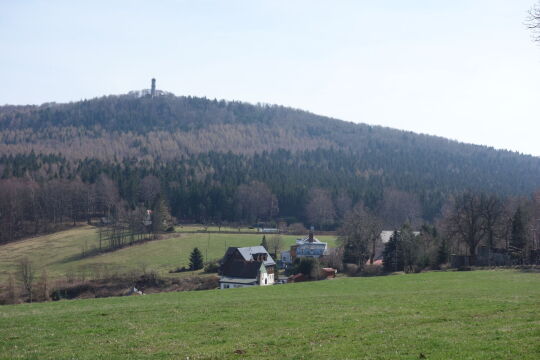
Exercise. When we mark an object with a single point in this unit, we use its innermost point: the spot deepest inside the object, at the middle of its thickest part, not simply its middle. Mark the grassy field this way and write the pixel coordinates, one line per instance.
(213, 228)
(60, 253)
(437, 315)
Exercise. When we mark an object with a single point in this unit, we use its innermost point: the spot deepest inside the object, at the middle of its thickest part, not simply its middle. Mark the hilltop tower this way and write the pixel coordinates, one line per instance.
(153, 88)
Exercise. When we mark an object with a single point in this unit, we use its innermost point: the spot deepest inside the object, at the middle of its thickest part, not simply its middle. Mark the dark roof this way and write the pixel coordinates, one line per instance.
(247, 252)
(240, 269)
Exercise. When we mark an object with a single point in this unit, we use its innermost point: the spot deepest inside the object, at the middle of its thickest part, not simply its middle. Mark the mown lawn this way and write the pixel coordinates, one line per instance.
(60, 253)
(437, 315)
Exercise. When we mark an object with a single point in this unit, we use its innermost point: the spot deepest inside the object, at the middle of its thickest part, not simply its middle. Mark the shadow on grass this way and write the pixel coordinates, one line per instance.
(97, 251)
(83, 255)
(531, 269)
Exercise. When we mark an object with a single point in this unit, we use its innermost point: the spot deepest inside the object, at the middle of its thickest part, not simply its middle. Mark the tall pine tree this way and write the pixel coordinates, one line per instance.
(195, 260)
(443, 252)
(264, 243)
(393, 253)
(519, 234)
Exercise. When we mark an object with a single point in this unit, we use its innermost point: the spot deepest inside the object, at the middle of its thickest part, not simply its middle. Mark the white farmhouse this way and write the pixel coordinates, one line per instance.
(246, 266)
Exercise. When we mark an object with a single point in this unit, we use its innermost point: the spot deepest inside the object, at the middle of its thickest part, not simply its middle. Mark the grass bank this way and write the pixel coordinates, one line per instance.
(436, 315)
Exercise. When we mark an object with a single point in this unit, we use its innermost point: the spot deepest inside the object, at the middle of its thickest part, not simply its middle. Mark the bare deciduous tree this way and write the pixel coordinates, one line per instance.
(43, 286)
(343, 205)
(26, 273)
(400, 207)
(533, 22)
(320, 210)
(107, 195)
(492, 212)
(149, 190)
(334, 259)
(466, 223)
(296, 229)
(360, 235)
(275, 244)
(256, 201)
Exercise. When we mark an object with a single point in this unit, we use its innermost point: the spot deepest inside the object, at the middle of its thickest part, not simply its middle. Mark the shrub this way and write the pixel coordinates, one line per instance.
(211, 266)
(372, 270)
(334, 259)
(297, 229)
(351, 269)
(306, 266)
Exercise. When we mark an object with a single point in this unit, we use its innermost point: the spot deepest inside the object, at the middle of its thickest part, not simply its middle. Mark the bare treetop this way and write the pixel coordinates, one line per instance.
(533, 21)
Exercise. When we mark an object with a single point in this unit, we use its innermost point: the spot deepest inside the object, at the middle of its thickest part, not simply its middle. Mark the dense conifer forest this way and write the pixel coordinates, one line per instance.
(215, 161)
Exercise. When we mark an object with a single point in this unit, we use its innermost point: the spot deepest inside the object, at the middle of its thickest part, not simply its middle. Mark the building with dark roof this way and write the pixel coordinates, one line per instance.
(246, 266)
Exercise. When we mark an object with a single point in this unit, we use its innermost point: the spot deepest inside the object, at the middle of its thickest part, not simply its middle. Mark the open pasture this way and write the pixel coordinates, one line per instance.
(437, 315)
(60, 253)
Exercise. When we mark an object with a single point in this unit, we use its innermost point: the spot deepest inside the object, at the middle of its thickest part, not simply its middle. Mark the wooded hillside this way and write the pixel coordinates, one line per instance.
(201, 151)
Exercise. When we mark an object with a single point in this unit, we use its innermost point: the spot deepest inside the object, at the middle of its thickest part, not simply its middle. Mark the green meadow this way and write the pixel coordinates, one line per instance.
(435, 315)
(60, 253)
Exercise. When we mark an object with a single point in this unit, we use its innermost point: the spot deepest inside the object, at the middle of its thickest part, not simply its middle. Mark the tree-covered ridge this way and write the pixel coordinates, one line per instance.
(203, 152)
(167, 128)
(194, 124)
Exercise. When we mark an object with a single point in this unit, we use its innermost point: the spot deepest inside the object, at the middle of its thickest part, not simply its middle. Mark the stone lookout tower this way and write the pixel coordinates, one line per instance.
(153, 88)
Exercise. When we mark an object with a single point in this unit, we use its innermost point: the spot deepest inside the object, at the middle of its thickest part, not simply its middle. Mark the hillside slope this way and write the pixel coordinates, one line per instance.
(73, 253)
(202, 150)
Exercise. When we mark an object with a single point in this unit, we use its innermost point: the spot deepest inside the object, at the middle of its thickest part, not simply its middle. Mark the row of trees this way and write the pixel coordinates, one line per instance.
(409, 251)
(473, 219)
(508, 227)
(28, 207)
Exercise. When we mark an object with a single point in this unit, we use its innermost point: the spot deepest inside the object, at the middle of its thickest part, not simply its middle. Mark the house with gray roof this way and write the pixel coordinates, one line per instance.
(246, 266)
(308, 246)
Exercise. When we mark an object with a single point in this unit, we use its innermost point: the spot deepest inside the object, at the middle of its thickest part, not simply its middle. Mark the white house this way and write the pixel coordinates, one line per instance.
(308, 246)
(246, 266)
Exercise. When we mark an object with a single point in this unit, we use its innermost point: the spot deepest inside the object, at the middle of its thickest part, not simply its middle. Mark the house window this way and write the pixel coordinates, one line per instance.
(265, 281)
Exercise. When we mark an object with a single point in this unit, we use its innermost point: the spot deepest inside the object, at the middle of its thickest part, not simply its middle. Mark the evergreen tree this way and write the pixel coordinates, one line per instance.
(161, 217)
(393, 253)
(442, 253)
(409, 246)
(196, 260)
(306, 266)
(264, 243)
(519, 235)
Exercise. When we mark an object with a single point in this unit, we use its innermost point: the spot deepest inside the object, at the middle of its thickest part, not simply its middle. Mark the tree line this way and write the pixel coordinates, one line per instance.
(474, 228)
(28, 208)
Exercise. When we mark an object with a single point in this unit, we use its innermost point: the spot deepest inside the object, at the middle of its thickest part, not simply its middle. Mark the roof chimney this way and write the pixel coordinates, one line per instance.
(310, 238)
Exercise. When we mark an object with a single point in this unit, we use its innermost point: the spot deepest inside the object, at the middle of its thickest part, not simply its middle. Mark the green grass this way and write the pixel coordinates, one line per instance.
(441, 315)
(59, 253)
(213, 228)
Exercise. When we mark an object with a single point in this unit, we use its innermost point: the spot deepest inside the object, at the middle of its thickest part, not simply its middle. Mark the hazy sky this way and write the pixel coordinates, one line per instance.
(463, 69)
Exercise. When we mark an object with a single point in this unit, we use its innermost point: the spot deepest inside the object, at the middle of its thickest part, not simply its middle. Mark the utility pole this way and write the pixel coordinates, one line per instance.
(207, 245)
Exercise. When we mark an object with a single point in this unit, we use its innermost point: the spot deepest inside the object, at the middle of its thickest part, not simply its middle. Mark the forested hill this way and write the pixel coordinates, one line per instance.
(202, 150)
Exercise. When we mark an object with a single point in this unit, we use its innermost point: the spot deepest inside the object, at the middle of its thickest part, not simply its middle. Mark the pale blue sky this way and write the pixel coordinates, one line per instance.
(463, 69)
